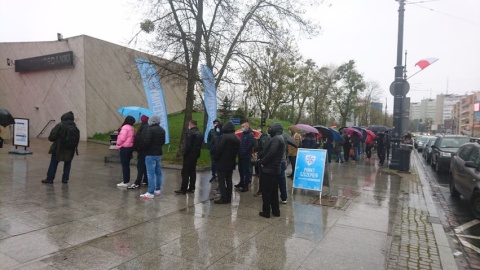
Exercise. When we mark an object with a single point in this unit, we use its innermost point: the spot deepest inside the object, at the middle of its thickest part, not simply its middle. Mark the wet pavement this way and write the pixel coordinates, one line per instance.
(369, 218)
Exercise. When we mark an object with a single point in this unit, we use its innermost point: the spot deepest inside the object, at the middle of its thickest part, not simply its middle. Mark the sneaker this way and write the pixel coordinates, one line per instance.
(157, 192)
(133, 186)
(122, 184)
(284, 202)
(147, 196)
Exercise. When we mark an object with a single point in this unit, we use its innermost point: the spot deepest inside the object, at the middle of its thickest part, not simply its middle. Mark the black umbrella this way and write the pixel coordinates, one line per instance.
(289, 139)
(6, 118)
(377, 128)
(326, 133)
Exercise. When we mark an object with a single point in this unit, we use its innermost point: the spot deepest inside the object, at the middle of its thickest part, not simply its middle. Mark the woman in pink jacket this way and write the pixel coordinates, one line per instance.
(125, 144)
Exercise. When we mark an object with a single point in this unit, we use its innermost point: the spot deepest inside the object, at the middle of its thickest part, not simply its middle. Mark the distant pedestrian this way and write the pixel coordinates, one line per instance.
(244, 157)
(142, 177)
(262, 142)
(125, 140)
(388, 136)
(369, 146)
(212, 139)
(381, 144)
(310, 141)
(152, 142)
(271, 167)
(65, 137)
(225, 155)
(292, 151)
(191, 153)
(337, 148)
(328, 145)
(346, 147)
(355, 141)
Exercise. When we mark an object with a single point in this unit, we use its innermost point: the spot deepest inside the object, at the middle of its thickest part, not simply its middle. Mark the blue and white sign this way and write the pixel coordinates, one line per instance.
(309, 169)
(210, 97)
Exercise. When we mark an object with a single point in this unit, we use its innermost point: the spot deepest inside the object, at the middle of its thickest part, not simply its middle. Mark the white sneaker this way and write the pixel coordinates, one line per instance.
(122, 184)
(284, 202)
(147, 196)
(157, 192)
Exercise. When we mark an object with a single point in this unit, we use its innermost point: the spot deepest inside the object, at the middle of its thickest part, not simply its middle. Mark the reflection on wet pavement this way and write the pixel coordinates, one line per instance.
(89, 223)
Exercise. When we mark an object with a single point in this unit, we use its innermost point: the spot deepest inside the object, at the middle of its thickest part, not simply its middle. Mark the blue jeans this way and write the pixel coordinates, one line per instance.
(293, 160)
(357, 154)
(245, 171)
(154, 173)
(340, 156)
(125, 157)
(52, 169)
(282, 181)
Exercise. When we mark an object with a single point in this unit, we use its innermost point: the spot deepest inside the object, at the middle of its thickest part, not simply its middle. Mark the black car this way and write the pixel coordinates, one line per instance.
(427, 152)
(443, 149)
(465, 175)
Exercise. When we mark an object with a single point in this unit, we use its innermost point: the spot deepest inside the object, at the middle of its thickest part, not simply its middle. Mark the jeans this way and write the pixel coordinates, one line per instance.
(340, 156)
(213, 165)
(293, 160)
(154, 173)
(141, 170)
(52, 169)
(357, 154)
(282, 181)
(125, 157)
(245, 170)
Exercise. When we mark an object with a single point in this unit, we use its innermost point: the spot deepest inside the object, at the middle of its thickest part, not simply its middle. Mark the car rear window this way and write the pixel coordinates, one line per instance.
(454, 142)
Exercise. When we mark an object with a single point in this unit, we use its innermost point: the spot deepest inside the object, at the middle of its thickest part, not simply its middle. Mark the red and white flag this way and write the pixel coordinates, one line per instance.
(422, 64)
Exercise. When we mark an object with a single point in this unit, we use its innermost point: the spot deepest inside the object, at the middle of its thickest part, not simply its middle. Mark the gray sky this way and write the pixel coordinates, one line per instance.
(362, 30)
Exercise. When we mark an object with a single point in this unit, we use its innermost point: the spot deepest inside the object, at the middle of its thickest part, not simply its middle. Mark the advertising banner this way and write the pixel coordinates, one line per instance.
(20, 132)
(210, 97)
(309, 169)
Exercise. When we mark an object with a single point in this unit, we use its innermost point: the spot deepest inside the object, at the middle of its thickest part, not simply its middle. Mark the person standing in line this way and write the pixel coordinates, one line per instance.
(192, 146)
(59, 151)
(292, 151)
(338, 150)
(327, 145)
(282, 179)
(142, 177)
(257, 149)
(271, 168)
(125, 140)
(212, 138)
(244, 157)
(262, 142)
(355, 141)
(152, 142)
(369, 146)
(388, 136)
(225, 154)
(346, 147)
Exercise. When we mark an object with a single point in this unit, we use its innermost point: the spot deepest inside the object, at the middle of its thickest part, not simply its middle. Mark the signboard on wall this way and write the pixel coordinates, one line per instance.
(51, 61)
(20, 132)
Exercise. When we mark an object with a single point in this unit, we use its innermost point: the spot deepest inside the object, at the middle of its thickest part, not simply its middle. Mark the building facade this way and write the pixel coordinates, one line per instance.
(444, 105)
(101, 78)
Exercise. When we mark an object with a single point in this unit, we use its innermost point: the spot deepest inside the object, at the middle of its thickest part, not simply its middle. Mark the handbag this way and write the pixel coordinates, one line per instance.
(352, 152)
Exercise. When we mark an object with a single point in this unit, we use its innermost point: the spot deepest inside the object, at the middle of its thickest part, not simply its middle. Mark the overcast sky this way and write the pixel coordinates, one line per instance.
(362, 30)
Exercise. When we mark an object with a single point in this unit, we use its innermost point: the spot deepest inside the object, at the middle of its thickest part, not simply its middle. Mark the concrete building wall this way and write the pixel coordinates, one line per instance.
(103, 79)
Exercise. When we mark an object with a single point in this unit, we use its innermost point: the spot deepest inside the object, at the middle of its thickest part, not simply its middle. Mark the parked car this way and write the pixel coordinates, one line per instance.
(422, 142)
(416, 139)
(465, 175)
(427, 152)
(443, 149)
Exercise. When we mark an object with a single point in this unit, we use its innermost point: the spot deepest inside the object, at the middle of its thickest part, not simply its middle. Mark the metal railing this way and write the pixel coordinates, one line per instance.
(41, 132)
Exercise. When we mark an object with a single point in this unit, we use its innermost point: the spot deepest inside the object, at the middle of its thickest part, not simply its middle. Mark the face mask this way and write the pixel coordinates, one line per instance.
(243, 129)
(217, 130)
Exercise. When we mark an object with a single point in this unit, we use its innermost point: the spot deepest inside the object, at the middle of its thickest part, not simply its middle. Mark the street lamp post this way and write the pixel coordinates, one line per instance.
(399, 89)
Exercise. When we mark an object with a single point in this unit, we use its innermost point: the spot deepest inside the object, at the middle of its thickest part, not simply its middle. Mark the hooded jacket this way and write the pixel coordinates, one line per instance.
(61, 153)
(271, 156)
(227, 148)
(153, 138)
(246, 144)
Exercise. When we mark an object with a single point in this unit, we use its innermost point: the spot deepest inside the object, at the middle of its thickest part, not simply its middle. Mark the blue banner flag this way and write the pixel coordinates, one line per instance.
(210, 97)
(309, 169)
(154, 92)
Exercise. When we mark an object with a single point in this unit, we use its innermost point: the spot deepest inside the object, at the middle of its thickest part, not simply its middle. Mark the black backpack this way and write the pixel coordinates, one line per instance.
(71, 137)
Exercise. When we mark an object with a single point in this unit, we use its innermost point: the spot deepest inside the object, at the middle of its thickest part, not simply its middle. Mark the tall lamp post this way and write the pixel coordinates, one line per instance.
(399, 89)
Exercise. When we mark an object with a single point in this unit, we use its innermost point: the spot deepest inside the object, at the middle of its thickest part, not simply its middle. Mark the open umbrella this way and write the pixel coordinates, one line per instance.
(336, 135)
(306, 128)
(351, 130)
(370, 133)
(135, 111)
(377, 128)
(6, 118)
(256, 134)
(324, 132)
(289, 139)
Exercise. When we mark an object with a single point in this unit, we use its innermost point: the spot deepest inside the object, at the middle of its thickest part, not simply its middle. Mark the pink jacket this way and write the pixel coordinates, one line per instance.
(125, 137)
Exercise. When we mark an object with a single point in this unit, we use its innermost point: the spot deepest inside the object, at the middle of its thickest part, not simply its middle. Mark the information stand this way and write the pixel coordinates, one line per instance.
(21, 136)
(310, 169)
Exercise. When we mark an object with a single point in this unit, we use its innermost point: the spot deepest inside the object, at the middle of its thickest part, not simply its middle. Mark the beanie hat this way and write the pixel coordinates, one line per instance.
(154, 120)
(144, 118)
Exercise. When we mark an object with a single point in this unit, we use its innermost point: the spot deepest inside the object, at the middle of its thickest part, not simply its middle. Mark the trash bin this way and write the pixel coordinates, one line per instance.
(404, 157)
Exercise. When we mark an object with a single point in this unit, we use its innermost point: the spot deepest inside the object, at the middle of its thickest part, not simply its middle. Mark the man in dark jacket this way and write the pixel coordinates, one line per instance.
(270, 162)
(381, 141)
(58, 151)
(152, 142)
(244, 156)
(191, 153)
(225, 154)
(142, 176)
(212, 140)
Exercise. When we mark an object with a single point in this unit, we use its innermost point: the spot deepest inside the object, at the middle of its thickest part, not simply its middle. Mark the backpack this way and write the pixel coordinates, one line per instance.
(71, 137)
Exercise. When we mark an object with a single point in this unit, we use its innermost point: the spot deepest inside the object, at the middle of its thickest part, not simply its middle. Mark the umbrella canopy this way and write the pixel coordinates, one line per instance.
(289, 139)
(306, 128)
(370, 133)
(351, 130)
(256, 134)
(6, 118)
(336, 135)
(325, 132)
(377, 128)
(135, 111)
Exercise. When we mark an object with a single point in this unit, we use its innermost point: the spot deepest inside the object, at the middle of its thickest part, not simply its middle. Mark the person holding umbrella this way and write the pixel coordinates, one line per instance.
(292, 151)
